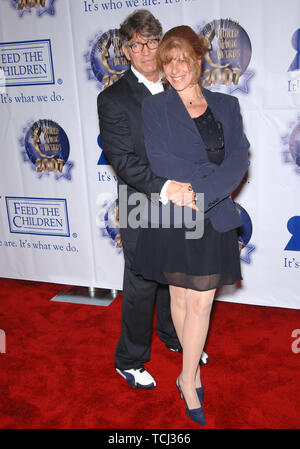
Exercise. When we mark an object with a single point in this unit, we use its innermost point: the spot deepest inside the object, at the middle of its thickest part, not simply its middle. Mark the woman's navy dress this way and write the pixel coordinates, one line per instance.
(166, 256)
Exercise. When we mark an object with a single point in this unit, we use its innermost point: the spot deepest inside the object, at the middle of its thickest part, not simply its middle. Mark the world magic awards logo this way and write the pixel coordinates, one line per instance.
(107, 219)
(46, 147)
(290, 142)
(228, 56)
(105, 60)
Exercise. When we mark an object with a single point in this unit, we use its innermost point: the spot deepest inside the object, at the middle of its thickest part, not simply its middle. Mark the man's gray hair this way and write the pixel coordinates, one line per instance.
(142, 22)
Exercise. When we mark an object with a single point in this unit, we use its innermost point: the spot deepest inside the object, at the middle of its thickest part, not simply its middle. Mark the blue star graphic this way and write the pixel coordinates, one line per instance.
(24, 156)
(243, 82)
(245, 254)
(66, 172)
(47, 9)
(87, 56)
(90, 74)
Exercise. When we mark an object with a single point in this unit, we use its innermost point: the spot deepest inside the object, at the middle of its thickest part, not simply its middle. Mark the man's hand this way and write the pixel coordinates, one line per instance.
(182, 194)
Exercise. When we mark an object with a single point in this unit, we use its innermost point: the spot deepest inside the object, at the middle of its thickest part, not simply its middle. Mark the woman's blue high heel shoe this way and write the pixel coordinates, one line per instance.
(196, 414)
(200, 394)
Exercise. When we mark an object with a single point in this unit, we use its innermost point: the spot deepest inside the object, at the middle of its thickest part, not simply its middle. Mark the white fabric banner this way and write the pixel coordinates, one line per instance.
(57, 191)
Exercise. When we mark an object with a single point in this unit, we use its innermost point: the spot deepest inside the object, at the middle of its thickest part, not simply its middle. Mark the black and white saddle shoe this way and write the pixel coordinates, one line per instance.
(204, 359)
(137, 378)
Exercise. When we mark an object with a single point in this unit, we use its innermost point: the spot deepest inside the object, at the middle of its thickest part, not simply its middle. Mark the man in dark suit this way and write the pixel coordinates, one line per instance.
(119, 110)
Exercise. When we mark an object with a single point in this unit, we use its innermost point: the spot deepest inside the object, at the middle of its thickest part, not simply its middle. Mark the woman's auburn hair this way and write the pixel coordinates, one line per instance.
(187, 44)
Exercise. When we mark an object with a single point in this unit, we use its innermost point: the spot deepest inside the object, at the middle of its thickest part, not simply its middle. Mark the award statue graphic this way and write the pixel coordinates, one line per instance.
(228, 56)
(107, 60)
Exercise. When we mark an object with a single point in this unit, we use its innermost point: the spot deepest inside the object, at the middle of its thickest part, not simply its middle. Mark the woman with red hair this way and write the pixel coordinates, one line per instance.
(193, 135)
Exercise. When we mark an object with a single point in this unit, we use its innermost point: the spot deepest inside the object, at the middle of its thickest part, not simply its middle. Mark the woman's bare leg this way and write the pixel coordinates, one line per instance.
(193, 328)
(178, 308)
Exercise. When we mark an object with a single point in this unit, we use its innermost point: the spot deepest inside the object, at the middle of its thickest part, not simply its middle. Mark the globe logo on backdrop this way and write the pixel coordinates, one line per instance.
(47, 148)
(228, 56)
(294, 144)
(291, 145)
(107, 219)
(244, 235)
(106, 58)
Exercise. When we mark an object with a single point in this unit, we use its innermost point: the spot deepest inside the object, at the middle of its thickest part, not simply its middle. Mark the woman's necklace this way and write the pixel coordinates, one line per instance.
(193, 99)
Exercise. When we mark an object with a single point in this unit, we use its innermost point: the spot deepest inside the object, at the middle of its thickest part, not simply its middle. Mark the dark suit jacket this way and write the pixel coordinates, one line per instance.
(176, 151)
(121, 129)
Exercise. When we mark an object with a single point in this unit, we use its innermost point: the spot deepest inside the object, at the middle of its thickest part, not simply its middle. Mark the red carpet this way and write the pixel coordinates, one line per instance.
(58, 368)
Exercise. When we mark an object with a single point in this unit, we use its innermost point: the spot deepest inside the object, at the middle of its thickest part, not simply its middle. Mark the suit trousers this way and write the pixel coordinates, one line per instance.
(138, 304)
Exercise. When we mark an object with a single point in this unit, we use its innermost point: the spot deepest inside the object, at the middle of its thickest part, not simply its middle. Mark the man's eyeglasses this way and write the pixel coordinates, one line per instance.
(138, 47)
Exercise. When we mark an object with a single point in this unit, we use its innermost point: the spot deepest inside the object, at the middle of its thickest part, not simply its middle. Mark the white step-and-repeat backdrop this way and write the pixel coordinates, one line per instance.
(57, 191)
